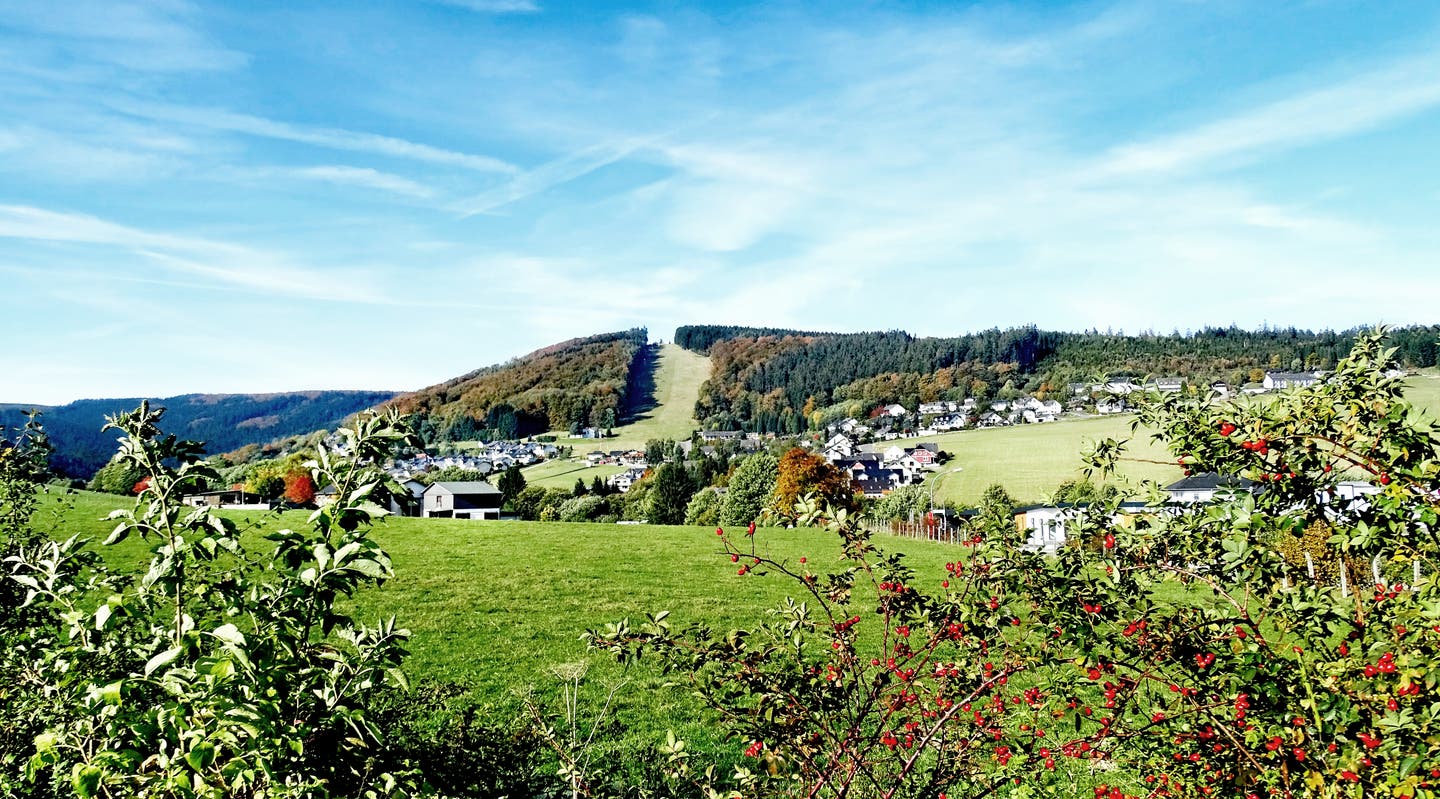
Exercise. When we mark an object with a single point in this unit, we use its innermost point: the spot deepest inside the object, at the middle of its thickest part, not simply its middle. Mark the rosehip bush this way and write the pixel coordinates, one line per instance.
(1257, 680)
(219, 672)
(882, 682)
(1182, 654)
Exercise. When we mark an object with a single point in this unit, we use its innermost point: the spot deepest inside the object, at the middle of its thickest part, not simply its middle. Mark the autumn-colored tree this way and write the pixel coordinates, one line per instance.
(299, 488)
(801, 473)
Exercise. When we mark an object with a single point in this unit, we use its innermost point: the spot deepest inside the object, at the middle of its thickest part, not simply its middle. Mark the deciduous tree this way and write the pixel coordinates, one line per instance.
(802, 472)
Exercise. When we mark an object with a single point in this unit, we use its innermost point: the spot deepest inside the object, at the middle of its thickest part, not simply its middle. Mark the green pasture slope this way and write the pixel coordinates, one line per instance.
(563, 472)
(678, 376)
(498, 605)
(1032, 460)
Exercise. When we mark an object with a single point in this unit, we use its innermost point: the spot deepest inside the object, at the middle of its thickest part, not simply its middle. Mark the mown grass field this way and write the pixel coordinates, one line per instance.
(562, 473)
(1030, 461)
(678, 376)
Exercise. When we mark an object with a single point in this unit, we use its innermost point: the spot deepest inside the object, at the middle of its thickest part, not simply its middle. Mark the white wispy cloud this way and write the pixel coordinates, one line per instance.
(1354, 104)
(494, 6)
(365, 178)
(331, 138)
(549, 175)
(146, 36)
(222, 263)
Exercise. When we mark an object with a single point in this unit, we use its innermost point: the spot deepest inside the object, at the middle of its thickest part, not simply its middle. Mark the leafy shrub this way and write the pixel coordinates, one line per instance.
(1179, 657)
(218, 672)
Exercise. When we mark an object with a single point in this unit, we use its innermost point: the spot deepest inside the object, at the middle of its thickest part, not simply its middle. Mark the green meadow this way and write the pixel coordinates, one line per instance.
(498, 606)
(563, 472)
(1030, 461)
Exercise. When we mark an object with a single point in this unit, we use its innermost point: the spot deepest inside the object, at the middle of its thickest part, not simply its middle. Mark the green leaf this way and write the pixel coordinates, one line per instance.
(110, 694)
(201, 756)
(120, 533)
(85, 779)
(369, 568)
(230, 634)
(161, 660)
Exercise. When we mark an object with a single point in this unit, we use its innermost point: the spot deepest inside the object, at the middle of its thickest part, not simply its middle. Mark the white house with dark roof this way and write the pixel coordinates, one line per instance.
(1274, 380)
(1204, 486)
(461, 500)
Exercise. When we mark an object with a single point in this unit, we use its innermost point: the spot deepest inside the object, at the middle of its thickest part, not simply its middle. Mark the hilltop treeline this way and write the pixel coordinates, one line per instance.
(578, 383)
(700, 338)
(784, 381)
(223, 421)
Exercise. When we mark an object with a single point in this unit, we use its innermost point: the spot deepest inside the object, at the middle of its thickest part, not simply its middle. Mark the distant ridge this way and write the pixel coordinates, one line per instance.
(223, 421)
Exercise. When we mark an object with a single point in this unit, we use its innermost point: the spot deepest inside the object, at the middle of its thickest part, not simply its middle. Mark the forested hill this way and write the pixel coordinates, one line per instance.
(784, 380)
(582, 382)
(223, 421)
(700, 338)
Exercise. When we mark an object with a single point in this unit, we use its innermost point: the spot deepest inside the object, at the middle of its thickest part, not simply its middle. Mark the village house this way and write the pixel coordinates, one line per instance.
(1168, 384)
(1116, 386)
(624, 480)
(234, 498)
(838, 447)
(461, 500)
(1047, 527)
(1110, 405)
(1204, 487)
(895, 410)
(1275, 380)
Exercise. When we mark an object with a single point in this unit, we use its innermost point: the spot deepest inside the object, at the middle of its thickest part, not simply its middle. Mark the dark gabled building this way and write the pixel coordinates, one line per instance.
(462, 500)
(1204, 486)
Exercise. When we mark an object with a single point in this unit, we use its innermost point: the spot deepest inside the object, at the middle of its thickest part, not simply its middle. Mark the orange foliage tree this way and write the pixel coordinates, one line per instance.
(802, 472)
(299, 488)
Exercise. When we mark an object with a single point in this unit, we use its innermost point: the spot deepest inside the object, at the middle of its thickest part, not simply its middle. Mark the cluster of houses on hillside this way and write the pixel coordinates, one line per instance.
(1046, 526)
(878, 473)
(495, 456)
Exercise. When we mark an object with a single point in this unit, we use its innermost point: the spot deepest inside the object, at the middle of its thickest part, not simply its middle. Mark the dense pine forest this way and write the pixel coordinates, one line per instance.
(223, 421)
(583, 382)
(783, 381)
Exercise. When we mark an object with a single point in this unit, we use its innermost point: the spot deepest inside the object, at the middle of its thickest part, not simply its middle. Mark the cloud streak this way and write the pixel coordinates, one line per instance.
(329, 138)
(1354, 105)
(494, 6)
(223, 263)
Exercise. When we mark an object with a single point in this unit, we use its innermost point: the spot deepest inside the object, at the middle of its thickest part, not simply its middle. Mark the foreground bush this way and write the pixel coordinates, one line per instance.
(1183, 655)
(219, 672)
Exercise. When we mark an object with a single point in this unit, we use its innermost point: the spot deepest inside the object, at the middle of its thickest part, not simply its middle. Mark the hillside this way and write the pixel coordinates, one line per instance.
(665, 408)
(224, 421)
(578, 383)
(783, 381)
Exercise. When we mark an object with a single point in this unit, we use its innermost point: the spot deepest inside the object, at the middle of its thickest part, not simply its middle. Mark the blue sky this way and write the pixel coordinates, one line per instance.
(231, 197)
